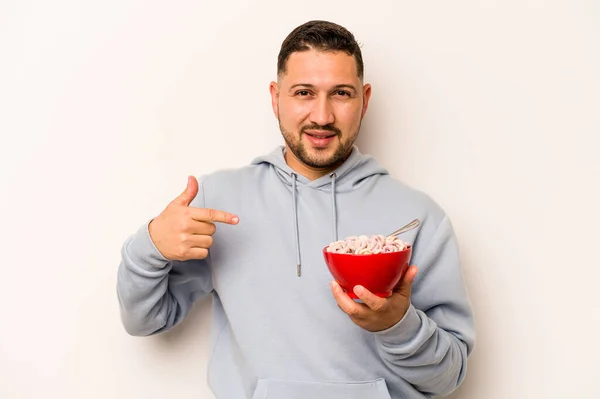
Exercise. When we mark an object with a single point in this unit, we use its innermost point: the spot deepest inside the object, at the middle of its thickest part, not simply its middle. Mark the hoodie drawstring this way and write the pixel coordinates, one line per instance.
(334, 207)
(297, 230)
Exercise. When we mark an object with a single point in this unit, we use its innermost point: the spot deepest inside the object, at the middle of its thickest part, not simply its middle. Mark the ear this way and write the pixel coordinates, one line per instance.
(366, 98)
(274, 89)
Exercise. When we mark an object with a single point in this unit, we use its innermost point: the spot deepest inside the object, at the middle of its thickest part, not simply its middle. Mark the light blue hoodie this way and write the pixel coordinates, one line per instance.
(280, 335)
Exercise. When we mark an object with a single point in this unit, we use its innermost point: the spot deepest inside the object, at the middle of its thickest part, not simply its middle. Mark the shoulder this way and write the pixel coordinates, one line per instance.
(411, 198)
(229, 182)
(409, 203)
(230, 176)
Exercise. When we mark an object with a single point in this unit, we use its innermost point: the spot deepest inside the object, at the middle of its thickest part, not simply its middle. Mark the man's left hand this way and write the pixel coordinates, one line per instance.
(376, 313)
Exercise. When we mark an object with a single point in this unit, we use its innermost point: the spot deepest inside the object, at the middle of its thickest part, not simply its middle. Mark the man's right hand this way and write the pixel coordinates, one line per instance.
(182, 232)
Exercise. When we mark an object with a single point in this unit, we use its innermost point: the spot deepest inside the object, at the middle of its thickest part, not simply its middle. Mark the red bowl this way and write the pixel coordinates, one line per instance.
(379, 273)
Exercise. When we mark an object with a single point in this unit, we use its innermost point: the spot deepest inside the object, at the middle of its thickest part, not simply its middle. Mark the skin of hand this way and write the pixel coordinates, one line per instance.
(182, 232)
(376, 313)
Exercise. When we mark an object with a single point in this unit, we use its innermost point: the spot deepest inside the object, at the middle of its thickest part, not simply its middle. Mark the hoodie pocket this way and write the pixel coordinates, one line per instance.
(268, 388)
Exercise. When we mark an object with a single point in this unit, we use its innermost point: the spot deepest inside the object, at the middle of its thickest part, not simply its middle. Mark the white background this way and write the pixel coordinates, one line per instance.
(492, 107)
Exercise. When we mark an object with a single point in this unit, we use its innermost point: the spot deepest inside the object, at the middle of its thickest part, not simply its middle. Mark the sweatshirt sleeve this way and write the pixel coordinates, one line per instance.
(429, 347)
(155, 294)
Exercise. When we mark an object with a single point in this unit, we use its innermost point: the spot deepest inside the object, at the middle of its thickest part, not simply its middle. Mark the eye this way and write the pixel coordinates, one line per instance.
(342, 93)
(302, 93)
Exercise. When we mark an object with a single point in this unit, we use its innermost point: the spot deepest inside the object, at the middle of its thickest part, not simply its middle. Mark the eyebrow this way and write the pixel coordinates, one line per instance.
(336, 87)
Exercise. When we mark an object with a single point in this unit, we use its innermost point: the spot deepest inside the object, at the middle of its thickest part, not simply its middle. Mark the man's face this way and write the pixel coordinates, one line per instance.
(320, 103)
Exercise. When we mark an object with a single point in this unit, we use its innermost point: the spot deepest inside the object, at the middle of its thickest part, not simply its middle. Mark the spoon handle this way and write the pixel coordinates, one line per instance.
(404, 229)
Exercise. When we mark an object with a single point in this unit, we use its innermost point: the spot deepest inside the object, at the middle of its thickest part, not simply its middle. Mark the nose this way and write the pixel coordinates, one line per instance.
(322, 112)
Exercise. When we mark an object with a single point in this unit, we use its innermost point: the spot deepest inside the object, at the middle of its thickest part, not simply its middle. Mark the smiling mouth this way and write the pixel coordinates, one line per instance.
(321, 136)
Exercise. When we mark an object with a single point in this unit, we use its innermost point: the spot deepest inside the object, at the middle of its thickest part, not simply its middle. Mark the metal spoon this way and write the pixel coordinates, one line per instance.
(406, 228)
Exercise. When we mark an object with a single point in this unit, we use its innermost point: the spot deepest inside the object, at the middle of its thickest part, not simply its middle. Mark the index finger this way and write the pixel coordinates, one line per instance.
(213, 216)
(346, 303)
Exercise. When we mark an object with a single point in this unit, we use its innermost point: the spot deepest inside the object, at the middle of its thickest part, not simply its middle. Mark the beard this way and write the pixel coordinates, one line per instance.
(319, 158)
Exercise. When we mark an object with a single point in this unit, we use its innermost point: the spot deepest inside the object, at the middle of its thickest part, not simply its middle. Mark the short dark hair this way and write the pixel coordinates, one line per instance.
(321, 36)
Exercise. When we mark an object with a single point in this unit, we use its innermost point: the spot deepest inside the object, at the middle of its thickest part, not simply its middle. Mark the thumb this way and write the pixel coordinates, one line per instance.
(405, 286)
(190, 192)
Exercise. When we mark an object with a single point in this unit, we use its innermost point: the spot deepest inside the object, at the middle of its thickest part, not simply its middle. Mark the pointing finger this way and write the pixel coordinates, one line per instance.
(214, 216)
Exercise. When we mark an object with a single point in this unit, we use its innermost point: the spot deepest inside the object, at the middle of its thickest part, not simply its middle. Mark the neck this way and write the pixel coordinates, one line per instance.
(311, 173)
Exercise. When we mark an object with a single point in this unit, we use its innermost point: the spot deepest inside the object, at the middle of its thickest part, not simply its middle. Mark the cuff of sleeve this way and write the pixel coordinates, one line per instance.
(402, 332)
(143, 250)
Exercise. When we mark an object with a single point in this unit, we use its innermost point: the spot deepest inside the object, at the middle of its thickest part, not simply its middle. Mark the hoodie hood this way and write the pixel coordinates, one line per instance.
(346, 177)
(356, 168)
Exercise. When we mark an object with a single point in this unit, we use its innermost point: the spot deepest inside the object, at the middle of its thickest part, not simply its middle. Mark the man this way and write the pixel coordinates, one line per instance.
(281, 328)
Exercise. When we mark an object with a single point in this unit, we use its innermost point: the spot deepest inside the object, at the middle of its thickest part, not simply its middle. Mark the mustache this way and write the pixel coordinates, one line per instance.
(328, 128)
